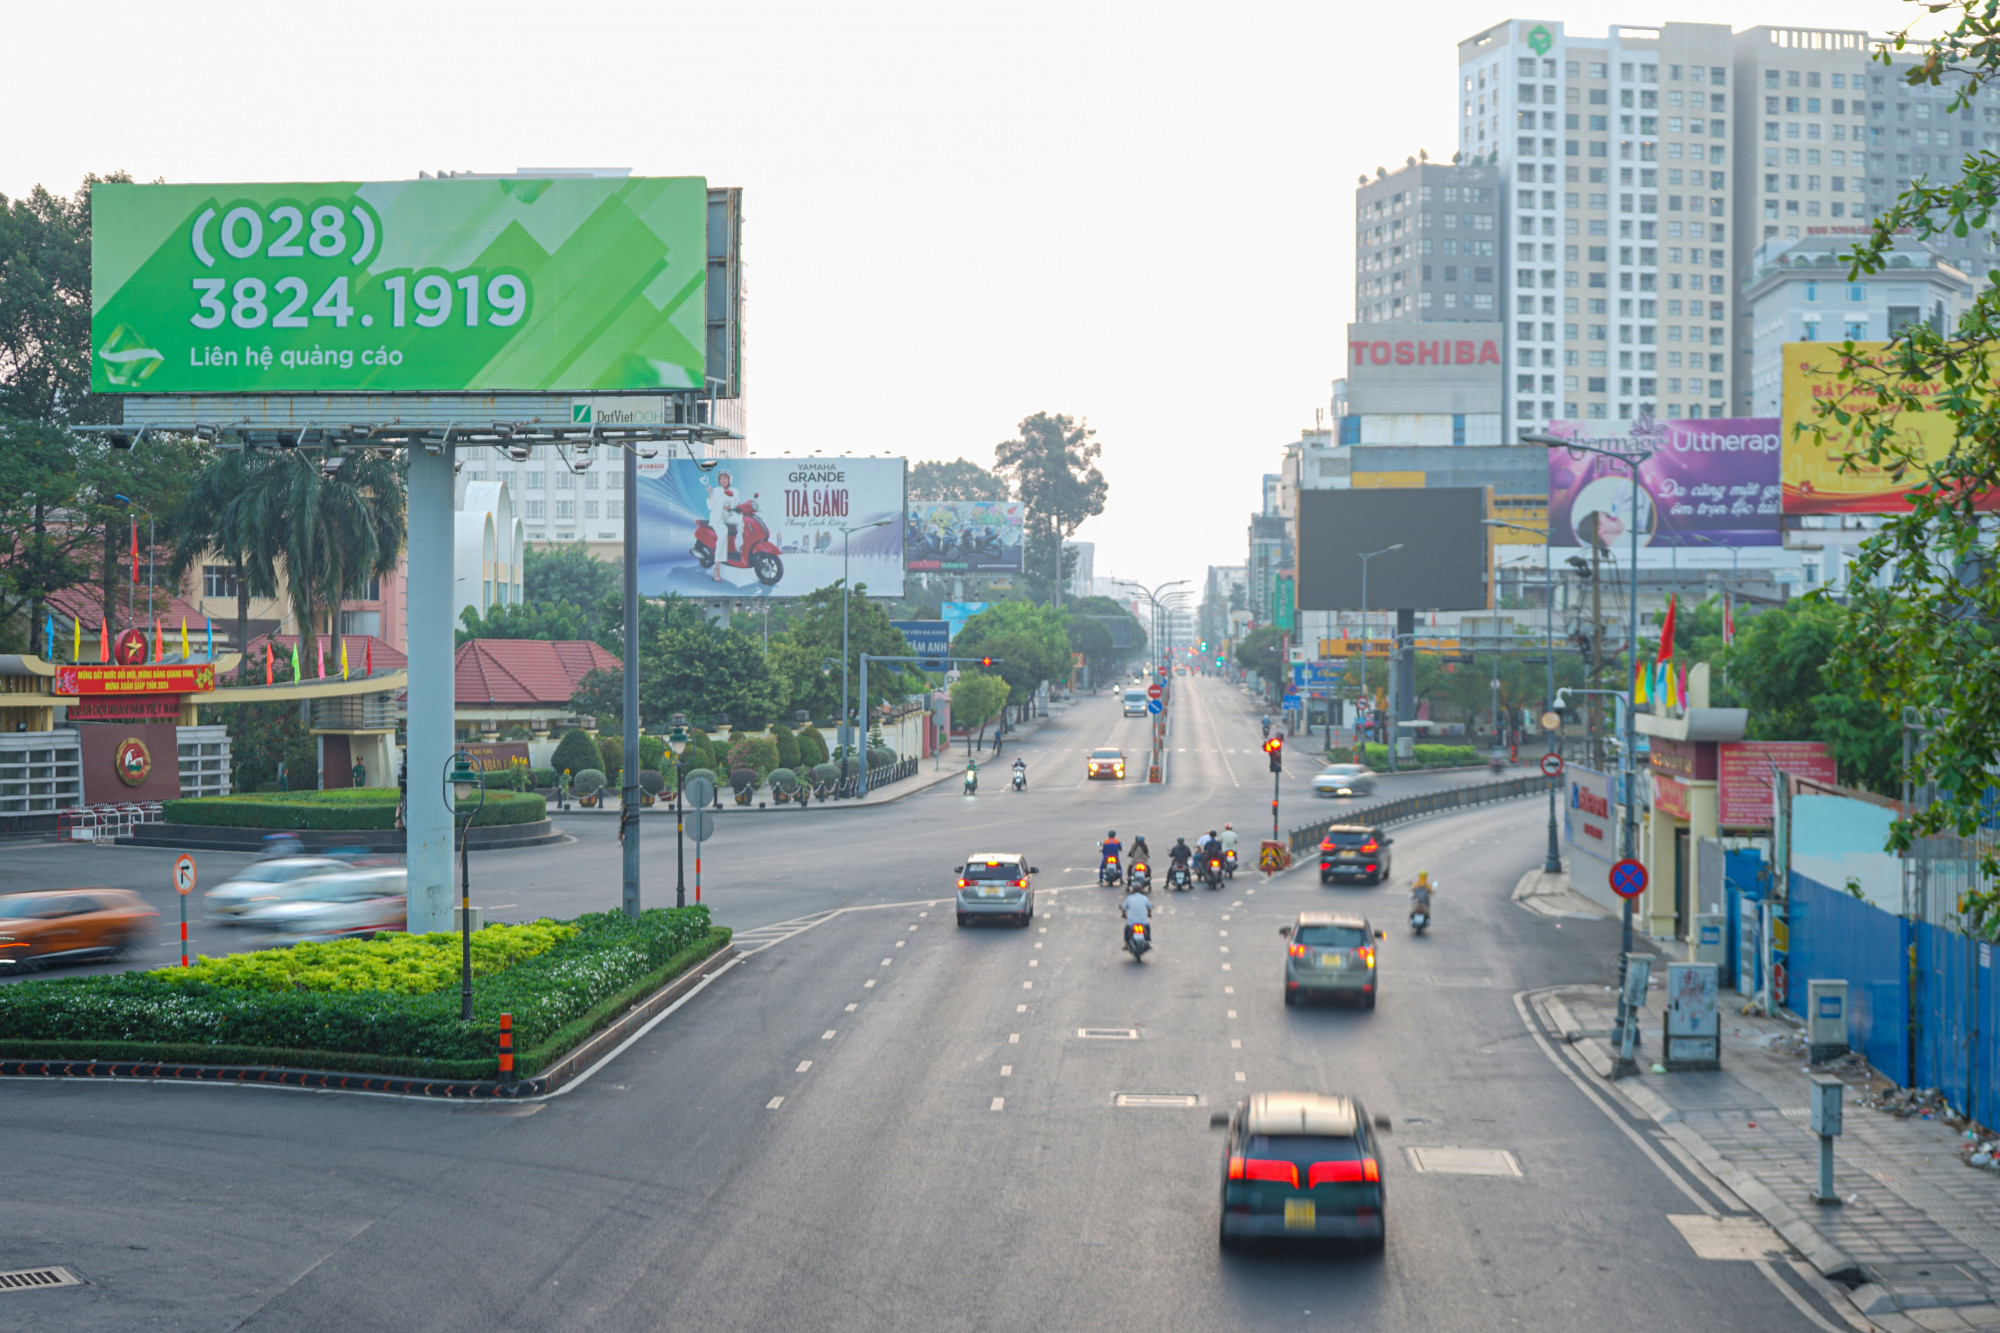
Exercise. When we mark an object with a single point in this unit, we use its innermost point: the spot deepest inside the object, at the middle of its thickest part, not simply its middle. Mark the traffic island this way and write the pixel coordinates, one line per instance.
(357, 818)
(379, 1014)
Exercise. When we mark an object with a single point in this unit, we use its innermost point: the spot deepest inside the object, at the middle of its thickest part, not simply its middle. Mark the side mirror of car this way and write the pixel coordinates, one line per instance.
(1218, 1120)
(958, 870)
(1286, 931)
(1381, 935)
(1382, 1123)
(1034, 870)
(1388, 842)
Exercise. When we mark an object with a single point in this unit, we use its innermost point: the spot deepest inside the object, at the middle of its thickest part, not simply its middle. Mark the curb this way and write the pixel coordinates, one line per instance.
(333, 1080)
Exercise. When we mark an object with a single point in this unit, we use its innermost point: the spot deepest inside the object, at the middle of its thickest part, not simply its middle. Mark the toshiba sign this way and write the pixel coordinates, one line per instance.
(1395, 368)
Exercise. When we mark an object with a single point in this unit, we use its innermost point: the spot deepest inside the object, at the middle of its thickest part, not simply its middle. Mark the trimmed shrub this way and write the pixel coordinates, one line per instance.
(651, 782)
(812, 747)
(613, 750)
(342, 808)
(576, 752)
(745, 779)
(652, 754)
(692, 773)
(757, 753)
(826, 772)
(877, 757)
(391, 961)
(788, 745)
(588, 783)
(782, 779)
(544, 777)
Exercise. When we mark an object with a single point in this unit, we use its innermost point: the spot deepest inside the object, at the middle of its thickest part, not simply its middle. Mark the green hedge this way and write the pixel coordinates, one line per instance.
(556, 998)
(345, 808)
(1424, 756)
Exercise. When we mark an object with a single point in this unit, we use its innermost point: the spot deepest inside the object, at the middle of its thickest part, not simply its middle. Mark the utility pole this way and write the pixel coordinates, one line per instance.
(1596, 654)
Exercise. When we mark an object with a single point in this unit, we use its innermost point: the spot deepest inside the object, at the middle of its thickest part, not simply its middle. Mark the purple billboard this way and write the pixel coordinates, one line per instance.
(1708, 482)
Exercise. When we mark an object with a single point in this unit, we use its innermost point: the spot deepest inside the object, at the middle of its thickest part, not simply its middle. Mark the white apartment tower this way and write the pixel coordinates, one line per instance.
(1616, 155)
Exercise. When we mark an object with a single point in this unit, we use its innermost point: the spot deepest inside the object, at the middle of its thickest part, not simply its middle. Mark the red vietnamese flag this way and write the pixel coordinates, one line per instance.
(1667, 633)
(368, 657)
(104, 641)
(159, 641)
(1728, 623)
(135, 550)
(269, 666)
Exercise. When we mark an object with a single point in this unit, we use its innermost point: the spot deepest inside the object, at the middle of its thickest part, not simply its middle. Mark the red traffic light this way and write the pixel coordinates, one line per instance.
(1274, 745)
(986, 661)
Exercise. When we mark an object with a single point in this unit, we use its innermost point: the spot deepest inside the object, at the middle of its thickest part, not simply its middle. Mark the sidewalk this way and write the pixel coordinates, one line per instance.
(1918, 1237)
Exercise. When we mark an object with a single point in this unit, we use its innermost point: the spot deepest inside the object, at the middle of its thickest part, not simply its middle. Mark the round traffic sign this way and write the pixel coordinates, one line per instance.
(1552, 764)
(1628, 878)
(1155, 691)
(1155, 706)
(698, 792)
(1551, 721)
(701, 825)
(184, 874)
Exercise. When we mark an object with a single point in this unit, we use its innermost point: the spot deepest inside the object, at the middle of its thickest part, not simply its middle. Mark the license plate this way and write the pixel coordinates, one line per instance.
(1332, 958)
(1300, 1215)
(993, 892)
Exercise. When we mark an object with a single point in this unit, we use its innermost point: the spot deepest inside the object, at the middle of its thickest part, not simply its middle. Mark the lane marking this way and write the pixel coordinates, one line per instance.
(1034, 962)
(998, 1102)
(1020, 1008)
(1235, 1043)
(828, 1034)
(1225, 948)
(1230, 990)
(886, 962)
(866, 984)
(1006, 1071)
(912, 927)
(804, 1065)
(852, 1007)
(1232, 1013)
(1225, 966)
(774, 1103)
(1239, 1076)
(1027, 985)
(900, 943)
(1013, 1039)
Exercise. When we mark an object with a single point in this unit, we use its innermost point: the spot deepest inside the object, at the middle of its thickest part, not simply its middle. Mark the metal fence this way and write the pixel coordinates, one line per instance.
(1423, 803)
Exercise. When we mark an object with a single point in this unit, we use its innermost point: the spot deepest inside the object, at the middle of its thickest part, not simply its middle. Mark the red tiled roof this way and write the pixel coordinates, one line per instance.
(85, 603)
(526, 673)
(358, 645)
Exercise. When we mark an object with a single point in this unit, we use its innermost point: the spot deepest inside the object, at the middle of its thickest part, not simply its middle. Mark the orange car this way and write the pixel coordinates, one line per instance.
(72, 925)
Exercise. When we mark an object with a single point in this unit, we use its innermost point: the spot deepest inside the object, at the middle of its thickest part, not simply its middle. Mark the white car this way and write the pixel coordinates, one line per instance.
(360, 902)
(1344, 780)
(266, 882)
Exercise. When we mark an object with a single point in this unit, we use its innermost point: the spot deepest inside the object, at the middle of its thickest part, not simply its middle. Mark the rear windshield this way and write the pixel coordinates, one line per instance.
(1342, 771)
(1330, 937)
(1135, 696)
(1340, 838)
(1000, 870)
(1304, 1149)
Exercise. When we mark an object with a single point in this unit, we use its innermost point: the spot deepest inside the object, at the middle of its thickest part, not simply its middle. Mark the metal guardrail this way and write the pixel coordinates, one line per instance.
(1423, 803)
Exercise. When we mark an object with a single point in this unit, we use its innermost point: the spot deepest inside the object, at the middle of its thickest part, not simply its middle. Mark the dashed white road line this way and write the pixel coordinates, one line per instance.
(998, 1102)
(866, 984)
(828, 1034)
(1013, 1039)
(804, 1065)
(852, 1007)
(1239, 1076)
(1006, 1071)
(774, 1103)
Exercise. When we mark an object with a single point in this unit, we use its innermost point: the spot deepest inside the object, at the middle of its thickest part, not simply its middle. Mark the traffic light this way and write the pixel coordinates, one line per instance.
(986, 661)
(1275, 747)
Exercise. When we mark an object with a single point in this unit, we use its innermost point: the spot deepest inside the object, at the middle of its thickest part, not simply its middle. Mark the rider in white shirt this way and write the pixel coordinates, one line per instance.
(1228, 838)
(1138, 909)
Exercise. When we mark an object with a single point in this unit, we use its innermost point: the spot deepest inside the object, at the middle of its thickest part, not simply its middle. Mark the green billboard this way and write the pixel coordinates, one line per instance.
(568, 284)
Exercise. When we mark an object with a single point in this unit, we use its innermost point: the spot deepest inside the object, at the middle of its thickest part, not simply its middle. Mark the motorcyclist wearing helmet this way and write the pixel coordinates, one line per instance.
(1228, 837)
(1180, 853)
(1140, 851)
(1420, 892)
(1108, 853)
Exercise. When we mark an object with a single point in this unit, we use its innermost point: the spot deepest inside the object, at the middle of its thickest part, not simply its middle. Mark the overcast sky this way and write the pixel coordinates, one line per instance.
(956, 213)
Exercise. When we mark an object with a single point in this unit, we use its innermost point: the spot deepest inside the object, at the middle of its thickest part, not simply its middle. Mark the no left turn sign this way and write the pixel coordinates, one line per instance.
(184, 874)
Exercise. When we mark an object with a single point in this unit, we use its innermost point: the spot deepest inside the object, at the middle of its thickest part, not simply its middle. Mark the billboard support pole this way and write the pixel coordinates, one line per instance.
(628, 798)
(432, 705)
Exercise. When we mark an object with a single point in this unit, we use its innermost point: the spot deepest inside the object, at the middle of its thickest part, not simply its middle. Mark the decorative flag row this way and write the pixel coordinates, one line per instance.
(104, 640)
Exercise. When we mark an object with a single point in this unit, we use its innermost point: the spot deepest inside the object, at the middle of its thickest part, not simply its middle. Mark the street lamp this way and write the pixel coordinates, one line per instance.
(1628, 831)
(677, 741)
(1388, 734)
(464, 778)
(1552, 863)
(846, 585)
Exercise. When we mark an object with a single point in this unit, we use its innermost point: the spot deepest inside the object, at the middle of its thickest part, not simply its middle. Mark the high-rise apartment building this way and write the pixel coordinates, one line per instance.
(1616, 153)
(1912, 134)
(1427, 244)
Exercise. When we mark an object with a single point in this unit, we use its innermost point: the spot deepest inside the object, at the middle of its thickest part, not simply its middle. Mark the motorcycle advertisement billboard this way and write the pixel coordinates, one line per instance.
(964, 536)
(770, 527)
(1708, 483)
(583, 284)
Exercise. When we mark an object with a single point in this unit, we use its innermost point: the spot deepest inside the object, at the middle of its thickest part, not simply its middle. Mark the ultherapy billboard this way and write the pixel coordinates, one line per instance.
(770, 527)
(1705, 483)
(439, 286)
(1442, 566)
(1829, 473)
(964, 536)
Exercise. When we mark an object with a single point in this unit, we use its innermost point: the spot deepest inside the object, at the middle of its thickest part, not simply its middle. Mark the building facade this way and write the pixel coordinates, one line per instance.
(1427, 243)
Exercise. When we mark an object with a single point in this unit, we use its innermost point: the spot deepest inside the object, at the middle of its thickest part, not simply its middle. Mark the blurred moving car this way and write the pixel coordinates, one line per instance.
(1135, 703)
(1107, 763)
(1354, 851)
(72, 925)
(996, 884)
(358, 901)
(1304, 1165)
(1344, 780)
(1332, 953)
(266, 882)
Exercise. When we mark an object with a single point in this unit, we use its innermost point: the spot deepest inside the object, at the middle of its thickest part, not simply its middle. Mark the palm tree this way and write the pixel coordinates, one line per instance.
(212, 519)
(333, 532)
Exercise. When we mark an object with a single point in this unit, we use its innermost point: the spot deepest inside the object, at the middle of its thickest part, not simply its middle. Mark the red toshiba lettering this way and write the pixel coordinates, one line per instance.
(1427, 354)
(1462, 352)
(1488, 352)
(1405, 354)
(1380, 353)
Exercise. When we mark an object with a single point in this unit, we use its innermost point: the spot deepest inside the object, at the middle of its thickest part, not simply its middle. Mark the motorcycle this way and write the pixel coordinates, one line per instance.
(1178, 878)
(1495, 763)
(1420, 917)
(754, 550)
(1229, 863)
(1108, 874)
(971, 783)
(1141, 878)
(1211, 872)
(1138, 938)
(1020, 779)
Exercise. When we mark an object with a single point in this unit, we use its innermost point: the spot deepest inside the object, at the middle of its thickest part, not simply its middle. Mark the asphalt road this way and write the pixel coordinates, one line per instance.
(881, 1121)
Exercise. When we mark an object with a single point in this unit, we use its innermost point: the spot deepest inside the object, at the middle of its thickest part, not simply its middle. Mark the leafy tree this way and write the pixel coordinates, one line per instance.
(554, 621)
(575, 752)
(567, 572)
(1092, 623)
(1925, 590)
(976, 699)
(1259, 651)
(1783, 668)
(1029, 644)
(41, 550)
(45, 308)
(262, 736)
(687, 664)
(805, 659)
(1052, 467)
(960, 479)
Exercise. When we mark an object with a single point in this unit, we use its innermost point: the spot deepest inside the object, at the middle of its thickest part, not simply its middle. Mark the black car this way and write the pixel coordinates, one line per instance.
(1354, 851)
(1302, 1165)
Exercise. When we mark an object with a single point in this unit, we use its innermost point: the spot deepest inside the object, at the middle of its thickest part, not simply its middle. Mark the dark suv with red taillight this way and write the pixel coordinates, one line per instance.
(1354, 851)
(1302, 1165)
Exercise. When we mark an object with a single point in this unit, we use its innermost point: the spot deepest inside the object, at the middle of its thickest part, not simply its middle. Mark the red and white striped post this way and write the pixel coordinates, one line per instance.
(506, 1048)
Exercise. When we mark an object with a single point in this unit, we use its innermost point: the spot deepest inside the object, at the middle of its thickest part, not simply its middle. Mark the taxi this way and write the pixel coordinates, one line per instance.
(1106, 763)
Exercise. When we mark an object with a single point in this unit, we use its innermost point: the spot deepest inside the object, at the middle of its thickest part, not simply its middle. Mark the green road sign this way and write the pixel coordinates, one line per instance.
(1282, 604)
(438, 286)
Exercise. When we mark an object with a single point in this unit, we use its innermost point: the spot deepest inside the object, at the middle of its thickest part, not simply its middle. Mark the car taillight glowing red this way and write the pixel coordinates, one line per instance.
(1370, 847)
(1298, 951)
(1018, 883)
(1367, 952)
(1236, 1168)
(965, 884)
(1343, 1173)
(1260, 1168)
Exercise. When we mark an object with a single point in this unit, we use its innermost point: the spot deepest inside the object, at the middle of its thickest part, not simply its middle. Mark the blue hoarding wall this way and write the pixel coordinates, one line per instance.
(1835, 936)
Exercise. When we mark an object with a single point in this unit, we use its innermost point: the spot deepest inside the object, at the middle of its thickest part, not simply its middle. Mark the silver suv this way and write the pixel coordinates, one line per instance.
(1331, 953)
(994, 884)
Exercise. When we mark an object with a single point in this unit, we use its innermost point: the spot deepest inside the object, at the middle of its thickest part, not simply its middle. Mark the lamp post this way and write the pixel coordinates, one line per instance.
(846, 586)
(1552, 863)
(1387, 734)
(464, 778)
(131, 607)
(677, 741)
(1628, 826)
